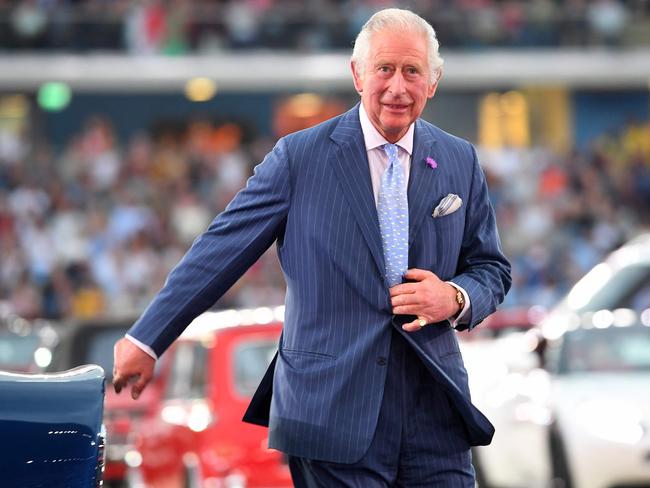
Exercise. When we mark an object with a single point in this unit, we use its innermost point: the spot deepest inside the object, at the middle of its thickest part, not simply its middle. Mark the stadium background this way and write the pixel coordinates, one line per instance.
(125, 126)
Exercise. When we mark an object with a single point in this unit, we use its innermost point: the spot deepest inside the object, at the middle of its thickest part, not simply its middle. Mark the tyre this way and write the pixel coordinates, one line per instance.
(560, 471)
(191, 478)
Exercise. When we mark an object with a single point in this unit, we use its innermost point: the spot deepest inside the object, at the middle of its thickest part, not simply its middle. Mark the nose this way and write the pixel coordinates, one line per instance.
(397, 83)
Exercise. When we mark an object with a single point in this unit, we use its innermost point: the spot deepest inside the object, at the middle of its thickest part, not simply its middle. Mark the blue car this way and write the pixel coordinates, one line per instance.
(51, 429)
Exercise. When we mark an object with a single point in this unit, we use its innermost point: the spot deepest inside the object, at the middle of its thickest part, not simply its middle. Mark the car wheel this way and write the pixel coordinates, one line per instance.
(191, 477)
(560, 471)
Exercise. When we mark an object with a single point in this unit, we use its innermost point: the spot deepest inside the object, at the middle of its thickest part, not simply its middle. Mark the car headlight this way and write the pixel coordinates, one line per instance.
(611, 421)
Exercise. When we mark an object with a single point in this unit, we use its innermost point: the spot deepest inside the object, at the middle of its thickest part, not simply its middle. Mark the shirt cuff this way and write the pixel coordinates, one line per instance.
(142, 346)
(463, 316)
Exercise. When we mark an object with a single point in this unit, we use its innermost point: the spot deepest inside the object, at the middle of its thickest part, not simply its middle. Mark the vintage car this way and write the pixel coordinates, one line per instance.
(599, 401)
(198, 437)
(92, 341)
(51, 429)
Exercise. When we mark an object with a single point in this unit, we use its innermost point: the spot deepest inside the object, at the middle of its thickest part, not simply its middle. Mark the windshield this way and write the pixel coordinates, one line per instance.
(90, 345)
(250, 362)
(17, 351)
(627, 288)
(610, 349)
(99, 349)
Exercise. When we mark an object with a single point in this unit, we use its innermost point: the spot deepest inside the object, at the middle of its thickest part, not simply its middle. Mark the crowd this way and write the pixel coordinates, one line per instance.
(175, 27)
(94, 228)
(560, 214)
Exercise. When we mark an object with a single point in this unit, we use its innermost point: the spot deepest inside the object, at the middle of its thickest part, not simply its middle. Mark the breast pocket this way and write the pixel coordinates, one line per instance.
(444, 238)
(455, 219)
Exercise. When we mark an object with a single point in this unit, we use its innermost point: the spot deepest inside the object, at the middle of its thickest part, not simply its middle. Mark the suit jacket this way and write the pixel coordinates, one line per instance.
(313, 195)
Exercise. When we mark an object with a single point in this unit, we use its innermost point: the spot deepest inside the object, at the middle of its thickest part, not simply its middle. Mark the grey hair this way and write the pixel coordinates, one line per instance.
(397, 19)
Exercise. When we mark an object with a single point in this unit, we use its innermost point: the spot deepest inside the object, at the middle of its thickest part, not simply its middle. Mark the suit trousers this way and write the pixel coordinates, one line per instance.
(420, 440)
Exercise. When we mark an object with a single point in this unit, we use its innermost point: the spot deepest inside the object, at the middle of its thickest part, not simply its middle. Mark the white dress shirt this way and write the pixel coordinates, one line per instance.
(378, 161)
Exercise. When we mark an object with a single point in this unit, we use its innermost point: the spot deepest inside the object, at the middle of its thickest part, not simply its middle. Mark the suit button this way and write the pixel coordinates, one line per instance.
(381, 361)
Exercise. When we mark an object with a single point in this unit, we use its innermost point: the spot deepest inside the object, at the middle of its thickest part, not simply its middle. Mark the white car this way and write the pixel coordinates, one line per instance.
(502, 385)
(622, 280)
(599, 401)
(515, 394)
(504, 378)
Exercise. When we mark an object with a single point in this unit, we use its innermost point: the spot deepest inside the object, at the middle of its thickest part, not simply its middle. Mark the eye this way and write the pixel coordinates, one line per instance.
(384, 69)
(411, 70)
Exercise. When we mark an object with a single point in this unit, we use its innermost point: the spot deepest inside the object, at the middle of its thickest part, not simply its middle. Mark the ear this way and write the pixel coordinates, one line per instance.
(358, 80)
(434, 86)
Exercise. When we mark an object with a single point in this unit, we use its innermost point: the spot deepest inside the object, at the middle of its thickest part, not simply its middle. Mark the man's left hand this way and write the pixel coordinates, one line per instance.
(428, 297)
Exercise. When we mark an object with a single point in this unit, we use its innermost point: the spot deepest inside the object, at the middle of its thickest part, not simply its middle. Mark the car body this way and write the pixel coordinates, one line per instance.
(92, 341)
(599, 401)
(502, 361)
(622, 280)
(613, 292)
(51, 429)
(198, 437)
(519, 397)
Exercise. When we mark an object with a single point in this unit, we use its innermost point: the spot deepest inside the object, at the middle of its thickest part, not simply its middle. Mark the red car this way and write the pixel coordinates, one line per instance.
(197, 438)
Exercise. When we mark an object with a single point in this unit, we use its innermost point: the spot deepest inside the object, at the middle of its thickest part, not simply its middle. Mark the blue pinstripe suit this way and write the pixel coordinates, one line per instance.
(313, 195)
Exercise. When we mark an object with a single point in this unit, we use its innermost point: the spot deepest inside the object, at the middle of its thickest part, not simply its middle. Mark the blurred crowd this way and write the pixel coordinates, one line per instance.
(95, 228)
(560, 214)
(176, 27)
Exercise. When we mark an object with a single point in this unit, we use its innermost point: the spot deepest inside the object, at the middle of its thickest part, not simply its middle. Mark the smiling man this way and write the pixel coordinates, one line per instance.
(394, 79)
(388, 243)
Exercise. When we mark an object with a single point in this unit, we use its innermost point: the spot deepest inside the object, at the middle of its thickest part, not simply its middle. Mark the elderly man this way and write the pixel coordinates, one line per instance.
(388, 242)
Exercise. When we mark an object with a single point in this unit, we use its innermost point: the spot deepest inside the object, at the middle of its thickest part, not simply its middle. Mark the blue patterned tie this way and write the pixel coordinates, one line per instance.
(392, 210)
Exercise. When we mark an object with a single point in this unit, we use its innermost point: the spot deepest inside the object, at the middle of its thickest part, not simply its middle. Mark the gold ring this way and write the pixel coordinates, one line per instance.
(421, 322)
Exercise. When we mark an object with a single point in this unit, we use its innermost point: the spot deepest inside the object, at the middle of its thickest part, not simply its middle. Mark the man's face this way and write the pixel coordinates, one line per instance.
(395, 83)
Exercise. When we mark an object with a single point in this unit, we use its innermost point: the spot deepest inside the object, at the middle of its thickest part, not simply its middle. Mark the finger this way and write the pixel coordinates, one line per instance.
(403, 289)
(418, 274)
(407, 310)
(405, 300)
(138, 386)
(118, 382)
(412, 326)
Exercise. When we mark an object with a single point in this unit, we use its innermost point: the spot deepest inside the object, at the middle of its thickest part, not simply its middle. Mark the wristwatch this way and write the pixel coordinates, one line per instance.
(460, 298)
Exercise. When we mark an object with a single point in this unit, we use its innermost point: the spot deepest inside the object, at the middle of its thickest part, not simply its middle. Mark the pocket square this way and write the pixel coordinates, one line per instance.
(447, 205)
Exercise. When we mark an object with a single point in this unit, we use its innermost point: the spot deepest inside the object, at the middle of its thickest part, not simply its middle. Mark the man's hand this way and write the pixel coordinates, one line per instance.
(430, 298)
(131, 364)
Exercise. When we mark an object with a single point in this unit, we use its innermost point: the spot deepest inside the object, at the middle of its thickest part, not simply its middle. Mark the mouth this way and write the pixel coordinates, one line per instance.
(396, 107)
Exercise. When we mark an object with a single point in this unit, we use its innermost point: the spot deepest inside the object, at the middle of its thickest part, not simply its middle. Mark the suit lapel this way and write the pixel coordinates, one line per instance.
(350, 163)
(423, 180)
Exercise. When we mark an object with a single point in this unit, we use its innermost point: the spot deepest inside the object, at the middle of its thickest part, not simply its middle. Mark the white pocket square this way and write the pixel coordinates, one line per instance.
(447, 205)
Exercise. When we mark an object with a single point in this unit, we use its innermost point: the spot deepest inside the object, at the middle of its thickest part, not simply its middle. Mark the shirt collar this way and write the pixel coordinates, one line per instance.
(373, 138)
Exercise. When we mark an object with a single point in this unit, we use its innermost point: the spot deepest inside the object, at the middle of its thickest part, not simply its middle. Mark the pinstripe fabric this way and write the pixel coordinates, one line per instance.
(313, 195)
(419, 441)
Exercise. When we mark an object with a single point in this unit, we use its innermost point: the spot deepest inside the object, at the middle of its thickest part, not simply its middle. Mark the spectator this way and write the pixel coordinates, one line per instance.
(96, 229)
(173, 27)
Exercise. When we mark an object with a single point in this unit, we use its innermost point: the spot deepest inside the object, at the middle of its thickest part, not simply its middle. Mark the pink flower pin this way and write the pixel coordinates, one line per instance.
(431, 163)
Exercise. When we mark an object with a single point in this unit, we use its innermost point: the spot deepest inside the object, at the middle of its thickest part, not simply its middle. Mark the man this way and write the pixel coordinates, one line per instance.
(368, 387)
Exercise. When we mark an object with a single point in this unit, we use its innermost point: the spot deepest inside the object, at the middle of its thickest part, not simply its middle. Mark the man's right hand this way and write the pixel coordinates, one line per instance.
(132, 365)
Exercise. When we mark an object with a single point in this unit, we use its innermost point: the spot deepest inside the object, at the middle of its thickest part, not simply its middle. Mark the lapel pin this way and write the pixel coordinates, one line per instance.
(431, 163)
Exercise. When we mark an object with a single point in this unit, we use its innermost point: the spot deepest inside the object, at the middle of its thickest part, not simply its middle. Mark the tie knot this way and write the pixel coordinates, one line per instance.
(391, 151)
